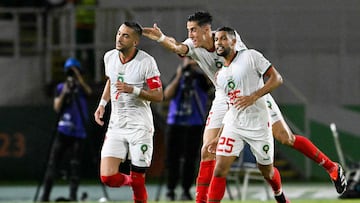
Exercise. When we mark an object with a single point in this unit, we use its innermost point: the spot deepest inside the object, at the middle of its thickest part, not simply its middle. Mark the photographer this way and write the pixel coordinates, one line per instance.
(71, 106)
(188, 93)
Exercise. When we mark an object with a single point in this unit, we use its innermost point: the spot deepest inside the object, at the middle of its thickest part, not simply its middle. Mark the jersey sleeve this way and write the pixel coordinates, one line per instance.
(106, 62)
(260, 62)
(188, 42)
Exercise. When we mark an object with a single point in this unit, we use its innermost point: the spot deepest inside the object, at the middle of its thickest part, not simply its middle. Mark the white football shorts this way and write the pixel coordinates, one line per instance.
(217, 111)
(231, 143)
(136, 143)
(273, 108)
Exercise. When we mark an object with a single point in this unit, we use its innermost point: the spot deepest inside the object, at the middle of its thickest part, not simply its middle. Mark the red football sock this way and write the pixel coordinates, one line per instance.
(216, 189)
(116, 180)
(138, 187)
(305, 146)
(206, 170)
(275, 181)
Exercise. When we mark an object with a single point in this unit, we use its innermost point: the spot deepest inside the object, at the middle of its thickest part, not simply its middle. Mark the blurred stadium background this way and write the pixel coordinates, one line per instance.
(314, 44)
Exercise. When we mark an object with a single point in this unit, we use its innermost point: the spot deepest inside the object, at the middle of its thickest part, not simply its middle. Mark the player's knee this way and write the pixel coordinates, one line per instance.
(285, 137)
(267, 175)
(266, 171)
(205, 154)
(220, 171)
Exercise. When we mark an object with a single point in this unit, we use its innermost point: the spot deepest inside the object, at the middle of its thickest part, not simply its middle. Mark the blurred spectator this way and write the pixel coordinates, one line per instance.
(188, 91)
(71, 106)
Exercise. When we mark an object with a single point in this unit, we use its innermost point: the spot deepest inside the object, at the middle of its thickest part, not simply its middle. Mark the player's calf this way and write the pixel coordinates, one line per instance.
(116, 180)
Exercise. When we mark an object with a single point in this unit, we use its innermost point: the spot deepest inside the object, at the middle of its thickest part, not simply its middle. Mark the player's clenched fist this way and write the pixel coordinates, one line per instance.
(99, 113)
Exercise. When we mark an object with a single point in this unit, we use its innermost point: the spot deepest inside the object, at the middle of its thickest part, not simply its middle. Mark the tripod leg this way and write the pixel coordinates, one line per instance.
(41, 180)
(52, 139)
(106, 194)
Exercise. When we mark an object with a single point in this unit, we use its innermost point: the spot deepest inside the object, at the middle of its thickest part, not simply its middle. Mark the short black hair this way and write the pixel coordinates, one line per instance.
(201, 17)
(135, 26)
(230, 31)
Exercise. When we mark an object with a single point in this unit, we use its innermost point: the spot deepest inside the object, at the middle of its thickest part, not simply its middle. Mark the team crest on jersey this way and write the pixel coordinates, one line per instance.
(120, 77)
(231, 84)
(218, 63)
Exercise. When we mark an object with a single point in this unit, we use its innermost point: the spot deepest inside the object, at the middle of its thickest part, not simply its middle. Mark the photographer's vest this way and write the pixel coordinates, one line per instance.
(74, 113)
(184, 108)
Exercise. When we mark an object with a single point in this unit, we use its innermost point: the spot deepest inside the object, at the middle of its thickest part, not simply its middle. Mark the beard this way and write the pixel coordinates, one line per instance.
(223, 52)
(120, 47)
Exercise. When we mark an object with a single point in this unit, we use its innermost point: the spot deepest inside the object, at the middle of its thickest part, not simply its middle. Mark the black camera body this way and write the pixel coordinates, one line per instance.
(71, 83)
(188, 74)
(70, 73)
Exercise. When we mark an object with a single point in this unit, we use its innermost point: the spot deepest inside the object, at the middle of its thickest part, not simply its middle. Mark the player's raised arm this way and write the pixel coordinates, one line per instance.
(154, 33)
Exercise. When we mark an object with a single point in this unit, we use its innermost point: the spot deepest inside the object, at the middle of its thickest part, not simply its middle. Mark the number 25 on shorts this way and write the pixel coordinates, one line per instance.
(225, 144)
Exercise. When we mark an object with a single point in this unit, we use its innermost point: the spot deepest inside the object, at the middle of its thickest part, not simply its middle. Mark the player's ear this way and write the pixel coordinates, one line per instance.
(136, 41)
(206, 28)
(233, 41)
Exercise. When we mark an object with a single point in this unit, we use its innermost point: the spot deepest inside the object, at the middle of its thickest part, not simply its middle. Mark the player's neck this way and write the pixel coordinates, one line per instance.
(209, 44)
(229, 58)
(126, 56)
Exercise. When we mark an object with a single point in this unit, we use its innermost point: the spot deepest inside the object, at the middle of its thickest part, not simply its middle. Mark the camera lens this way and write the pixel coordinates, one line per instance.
(70, 73)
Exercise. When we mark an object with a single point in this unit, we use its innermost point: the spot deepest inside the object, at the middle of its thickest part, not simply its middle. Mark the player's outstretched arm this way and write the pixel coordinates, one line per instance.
(154, 33)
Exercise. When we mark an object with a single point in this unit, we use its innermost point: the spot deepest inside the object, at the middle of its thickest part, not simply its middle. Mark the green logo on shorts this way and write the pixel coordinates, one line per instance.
(266, 148)
(144, 148)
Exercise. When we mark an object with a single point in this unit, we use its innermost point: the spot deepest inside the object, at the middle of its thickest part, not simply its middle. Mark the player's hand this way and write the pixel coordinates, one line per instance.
(242, 102)
(123, 87)
(77, 73)
(153, 33)
(99, 113)
(212, 145)
(66, 89)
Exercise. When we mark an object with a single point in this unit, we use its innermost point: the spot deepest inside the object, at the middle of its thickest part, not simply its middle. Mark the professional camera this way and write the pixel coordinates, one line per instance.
(187, 91)
(187, 72)
(71, 63)
(70, 73)
(71, 83)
